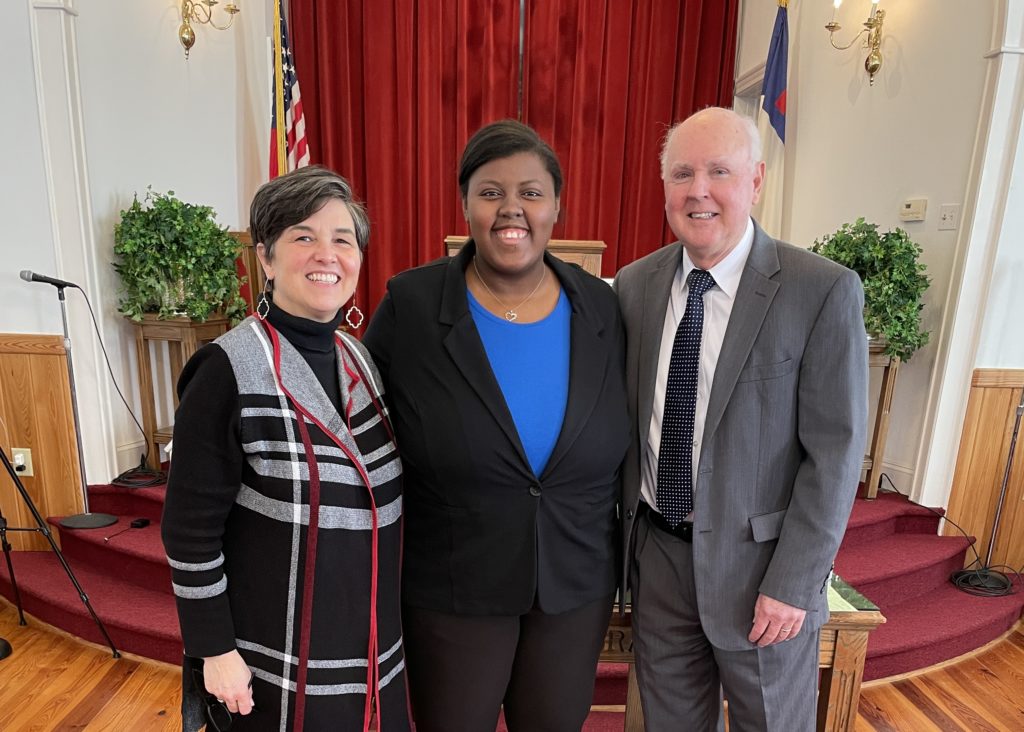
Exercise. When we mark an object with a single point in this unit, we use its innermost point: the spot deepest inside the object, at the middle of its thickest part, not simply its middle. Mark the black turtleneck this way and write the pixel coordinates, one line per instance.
(207, 424)
(315, 341)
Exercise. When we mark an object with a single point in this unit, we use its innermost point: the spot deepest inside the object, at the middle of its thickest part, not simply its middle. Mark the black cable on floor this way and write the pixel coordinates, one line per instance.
(974, 579)
(140, 477)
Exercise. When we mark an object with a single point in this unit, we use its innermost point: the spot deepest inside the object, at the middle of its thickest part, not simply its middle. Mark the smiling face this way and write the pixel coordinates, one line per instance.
(711, 184)
(511, 208)
(316, 262)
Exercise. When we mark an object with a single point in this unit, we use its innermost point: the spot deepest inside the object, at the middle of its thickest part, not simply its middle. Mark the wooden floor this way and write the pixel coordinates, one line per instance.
(54, 681)
(982, 693)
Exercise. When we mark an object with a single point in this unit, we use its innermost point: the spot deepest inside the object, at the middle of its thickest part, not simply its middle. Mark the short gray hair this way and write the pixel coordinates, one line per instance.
(293, 197)
(748, 125)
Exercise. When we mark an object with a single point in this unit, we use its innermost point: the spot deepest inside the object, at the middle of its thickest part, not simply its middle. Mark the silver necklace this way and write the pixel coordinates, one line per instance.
(510, 313)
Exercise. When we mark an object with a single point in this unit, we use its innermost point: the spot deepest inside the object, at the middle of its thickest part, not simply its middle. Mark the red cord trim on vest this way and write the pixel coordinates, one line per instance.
(309, 569)
(372, 670)
(401, 519)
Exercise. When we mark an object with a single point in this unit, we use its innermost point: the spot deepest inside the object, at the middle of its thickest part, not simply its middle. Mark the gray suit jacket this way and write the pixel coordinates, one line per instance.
(784, 435)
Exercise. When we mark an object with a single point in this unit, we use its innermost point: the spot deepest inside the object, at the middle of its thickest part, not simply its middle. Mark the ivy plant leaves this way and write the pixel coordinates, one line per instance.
(894, 281)
(174, 259)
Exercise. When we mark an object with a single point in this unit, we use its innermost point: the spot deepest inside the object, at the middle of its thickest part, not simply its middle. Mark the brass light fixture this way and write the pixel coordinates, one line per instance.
(873, 41)
(201, 13)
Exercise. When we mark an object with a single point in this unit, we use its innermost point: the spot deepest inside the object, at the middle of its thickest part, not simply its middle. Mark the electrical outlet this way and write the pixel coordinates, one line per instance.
(949, 217)
(22, 459)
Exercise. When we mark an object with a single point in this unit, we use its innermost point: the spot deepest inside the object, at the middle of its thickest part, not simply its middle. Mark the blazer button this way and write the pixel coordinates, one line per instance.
(535, 490)
(629, 513)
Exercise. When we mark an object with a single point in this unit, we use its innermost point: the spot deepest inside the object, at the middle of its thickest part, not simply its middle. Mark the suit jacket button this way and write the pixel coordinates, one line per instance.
(535, 490)
(629, 513)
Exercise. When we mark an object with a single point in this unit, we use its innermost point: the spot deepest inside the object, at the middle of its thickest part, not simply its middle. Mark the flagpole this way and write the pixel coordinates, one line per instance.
(279, 131)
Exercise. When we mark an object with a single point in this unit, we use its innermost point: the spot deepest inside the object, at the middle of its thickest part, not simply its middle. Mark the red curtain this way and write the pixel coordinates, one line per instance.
(392, 91)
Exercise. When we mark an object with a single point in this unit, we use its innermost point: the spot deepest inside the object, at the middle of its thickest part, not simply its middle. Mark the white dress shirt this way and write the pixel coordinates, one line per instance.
(718, 302)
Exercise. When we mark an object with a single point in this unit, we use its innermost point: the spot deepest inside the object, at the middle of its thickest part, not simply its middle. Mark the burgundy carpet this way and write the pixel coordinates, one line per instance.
(126, 579)
(891, 553)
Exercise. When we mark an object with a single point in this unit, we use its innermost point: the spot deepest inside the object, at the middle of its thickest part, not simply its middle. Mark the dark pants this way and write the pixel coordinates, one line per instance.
(462, 668)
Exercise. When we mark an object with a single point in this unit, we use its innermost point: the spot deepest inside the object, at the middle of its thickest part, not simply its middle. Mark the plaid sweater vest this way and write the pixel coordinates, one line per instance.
(324, 636)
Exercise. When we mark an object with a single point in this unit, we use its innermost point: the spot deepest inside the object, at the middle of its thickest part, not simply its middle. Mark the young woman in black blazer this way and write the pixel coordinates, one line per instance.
(504, 369)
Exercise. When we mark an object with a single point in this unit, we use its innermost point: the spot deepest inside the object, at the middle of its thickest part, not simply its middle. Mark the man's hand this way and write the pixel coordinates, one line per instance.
(775, 621)
(228, 678)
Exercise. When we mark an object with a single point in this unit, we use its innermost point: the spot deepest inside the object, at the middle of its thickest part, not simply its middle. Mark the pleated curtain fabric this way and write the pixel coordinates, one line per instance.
(674, 493)
(603, 81)
(393, 90)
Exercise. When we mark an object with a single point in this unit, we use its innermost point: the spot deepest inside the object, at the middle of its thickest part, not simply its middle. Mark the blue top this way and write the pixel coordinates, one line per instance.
(531, 364)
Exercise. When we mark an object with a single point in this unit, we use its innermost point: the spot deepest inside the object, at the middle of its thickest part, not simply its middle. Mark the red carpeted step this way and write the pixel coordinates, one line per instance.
(901, 566)
(888, 514)
(133, 502)
(610, 684)
(136, 555)
(139, 620)
(936, 627)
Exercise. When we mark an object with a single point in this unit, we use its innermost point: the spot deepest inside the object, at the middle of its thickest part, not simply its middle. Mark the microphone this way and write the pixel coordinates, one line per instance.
(30, 276)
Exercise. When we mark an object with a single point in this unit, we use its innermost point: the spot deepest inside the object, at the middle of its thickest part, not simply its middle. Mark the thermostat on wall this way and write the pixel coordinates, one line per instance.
(913, 209)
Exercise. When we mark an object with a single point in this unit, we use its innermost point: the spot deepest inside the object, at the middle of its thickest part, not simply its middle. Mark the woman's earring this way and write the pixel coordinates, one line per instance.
(263, 303)
(354, 313)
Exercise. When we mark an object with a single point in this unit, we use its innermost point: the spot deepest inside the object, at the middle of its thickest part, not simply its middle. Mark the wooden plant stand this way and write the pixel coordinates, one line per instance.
(183, 337)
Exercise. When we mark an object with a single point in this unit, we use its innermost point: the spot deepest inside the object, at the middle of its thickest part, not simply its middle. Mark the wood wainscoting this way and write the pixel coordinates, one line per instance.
(981, 463)
(35, 404)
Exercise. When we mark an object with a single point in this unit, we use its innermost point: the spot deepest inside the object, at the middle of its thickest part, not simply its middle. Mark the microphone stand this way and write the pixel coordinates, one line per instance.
(985, 579)
(5, 646)
(42, 528)
(84, 520)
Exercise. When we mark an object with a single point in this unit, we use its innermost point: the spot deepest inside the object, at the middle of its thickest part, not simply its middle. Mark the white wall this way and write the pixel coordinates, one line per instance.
(27, 238)
(146, 116)
(152, 118)
(757, 19)
(859, 150)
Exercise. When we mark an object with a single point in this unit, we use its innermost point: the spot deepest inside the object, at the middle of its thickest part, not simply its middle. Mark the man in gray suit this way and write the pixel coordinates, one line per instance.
(747, 377)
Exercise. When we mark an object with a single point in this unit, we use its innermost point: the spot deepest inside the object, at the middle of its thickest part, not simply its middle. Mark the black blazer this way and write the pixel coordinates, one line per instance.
(483, 535)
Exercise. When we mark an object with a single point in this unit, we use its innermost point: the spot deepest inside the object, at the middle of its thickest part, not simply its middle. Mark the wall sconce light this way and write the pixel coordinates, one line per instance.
(201, 13)
(873, 42)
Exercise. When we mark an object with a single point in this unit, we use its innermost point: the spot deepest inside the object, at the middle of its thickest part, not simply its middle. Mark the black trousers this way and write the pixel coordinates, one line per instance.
(462, 669)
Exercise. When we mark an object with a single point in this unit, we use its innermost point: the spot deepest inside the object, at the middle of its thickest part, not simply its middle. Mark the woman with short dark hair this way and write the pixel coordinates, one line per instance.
(283, 509)
(504, 372)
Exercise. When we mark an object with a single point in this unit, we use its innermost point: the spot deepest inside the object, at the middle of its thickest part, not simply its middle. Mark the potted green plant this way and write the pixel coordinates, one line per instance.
(175, 260)
(894, 281)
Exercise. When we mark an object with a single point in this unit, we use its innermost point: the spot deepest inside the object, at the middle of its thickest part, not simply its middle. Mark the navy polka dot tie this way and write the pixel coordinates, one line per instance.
(675, 457)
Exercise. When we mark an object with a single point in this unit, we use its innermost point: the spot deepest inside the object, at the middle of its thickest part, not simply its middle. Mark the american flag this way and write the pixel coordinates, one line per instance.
(288, 147)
